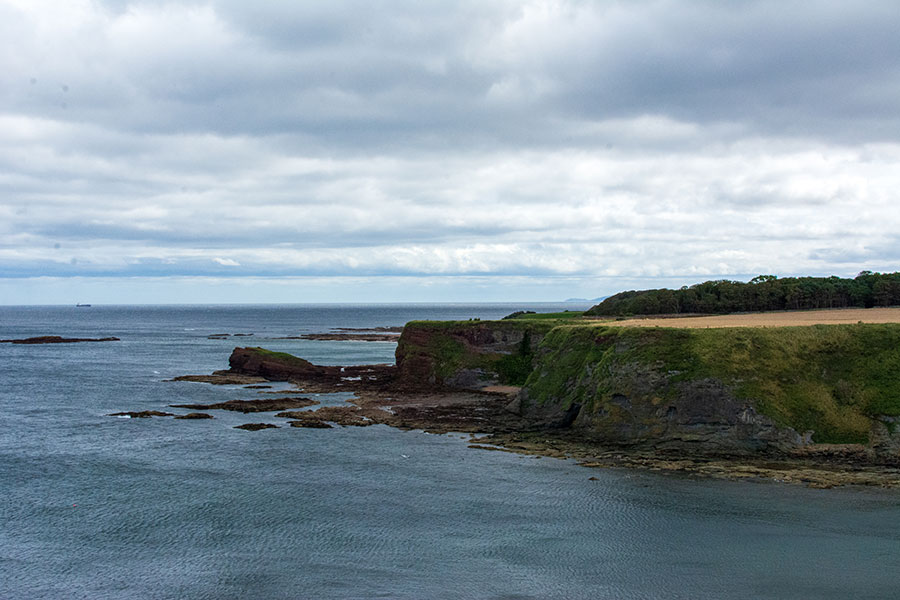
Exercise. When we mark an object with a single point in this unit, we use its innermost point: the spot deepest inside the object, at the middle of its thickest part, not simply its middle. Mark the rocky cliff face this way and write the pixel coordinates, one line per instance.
(636, 403)
(467, 354)
(723, 391)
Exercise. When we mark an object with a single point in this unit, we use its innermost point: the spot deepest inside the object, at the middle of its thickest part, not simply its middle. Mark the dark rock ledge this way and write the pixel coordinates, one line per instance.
(253, 406)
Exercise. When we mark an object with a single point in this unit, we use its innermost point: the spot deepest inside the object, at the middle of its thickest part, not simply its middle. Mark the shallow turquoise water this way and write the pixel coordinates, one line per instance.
(102, 507)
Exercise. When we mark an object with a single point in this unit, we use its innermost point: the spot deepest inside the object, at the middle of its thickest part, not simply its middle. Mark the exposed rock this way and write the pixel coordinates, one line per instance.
(342, 415)
(140, 414)
(702, 414)
(468, 354)
(280, 366)
(256, 426)
(252, 406)
(221, 378)
(277, 366)
(296, 414)
(884, 437)
(440, 411)
(194, 415)
(55, 339)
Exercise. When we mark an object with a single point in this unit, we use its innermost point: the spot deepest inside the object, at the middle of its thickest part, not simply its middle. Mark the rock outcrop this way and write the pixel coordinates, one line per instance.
(280, 366)
(467, 354)
(276, 366)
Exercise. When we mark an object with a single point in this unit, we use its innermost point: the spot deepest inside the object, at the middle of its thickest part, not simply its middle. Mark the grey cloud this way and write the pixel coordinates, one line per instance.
(644, 139)
(420, 74)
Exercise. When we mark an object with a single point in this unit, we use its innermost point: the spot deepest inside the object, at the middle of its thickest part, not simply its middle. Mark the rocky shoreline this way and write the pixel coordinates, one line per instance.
(381, 396)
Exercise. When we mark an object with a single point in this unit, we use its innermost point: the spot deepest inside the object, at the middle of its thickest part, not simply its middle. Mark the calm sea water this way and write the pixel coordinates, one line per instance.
(102, 507)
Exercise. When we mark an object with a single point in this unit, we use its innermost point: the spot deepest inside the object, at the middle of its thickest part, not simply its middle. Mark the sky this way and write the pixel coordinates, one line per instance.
(233, 151)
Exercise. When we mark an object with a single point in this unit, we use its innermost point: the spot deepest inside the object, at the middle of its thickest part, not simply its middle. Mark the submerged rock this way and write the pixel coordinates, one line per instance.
(55, 339)
(143, 414)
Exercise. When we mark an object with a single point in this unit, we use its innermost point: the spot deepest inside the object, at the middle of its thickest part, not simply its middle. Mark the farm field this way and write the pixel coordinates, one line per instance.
(772, 319)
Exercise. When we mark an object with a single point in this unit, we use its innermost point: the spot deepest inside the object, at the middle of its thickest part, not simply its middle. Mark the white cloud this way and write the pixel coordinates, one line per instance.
(227, 262)
(547, 139)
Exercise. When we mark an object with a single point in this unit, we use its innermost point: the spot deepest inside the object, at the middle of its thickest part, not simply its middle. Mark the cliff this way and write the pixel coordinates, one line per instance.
(731, 391)
(468, 354)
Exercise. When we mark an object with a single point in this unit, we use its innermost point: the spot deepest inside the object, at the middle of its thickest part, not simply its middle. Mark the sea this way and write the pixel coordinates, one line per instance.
(94, 506)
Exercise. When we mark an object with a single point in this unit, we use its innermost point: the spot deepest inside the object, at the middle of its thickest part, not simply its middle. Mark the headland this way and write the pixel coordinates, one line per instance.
(815, 404)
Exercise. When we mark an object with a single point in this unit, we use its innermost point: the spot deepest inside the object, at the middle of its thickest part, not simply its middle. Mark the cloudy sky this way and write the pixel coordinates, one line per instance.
(274, 151)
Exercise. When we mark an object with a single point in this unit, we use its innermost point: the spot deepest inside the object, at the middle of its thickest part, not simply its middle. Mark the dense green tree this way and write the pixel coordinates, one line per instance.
(762, 293)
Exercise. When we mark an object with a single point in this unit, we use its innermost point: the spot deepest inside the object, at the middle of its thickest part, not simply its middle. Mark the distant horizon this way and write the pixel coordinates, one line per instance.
(135, 291)
(435, 302)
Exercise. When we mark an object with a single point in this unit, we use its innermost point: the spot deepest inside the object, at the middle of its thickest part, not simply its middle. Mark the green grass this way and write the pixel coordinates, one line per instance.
(281, 356)
(827, 378)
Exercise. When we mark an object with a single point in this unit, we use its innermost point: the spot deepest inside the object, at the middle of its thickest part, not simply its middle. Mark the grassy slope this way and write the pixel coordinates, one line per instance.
(825, 378)
(283, 357)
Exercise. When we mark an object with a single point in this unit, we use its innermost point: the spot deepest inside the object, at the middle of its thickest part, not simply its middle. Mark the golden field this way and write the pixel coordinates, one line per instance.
(772, 319)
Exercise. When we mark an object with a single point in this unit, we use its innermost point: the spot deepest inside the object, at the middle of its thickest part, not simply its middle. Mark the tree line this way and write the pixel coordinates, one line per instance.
(762, 293)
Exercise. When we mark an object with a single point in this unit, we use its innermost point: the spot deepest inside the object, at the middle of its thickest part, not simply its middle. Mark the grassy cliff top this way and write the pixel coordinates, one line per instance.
(830, 379)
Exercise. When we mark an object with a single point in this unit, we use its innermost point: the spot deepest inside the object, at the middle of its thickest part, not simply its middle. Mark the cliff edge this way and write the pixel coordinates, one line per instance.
(714, 391)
